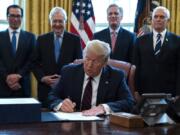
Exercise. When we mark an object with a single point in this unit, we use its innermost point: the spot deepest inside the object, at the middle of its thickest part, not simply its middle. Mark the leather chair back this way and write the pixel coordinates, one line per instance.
(129, 70)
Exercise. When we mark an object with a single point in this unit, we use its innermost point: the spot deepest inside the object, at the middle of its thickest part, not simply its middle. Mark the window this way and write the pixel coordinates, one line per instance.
(3, 19)
(100, 7)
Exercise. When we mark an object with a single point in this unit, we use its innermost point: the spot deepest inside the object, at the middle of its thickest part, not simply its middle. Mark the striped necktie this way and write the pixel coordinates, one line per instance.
(158, 44)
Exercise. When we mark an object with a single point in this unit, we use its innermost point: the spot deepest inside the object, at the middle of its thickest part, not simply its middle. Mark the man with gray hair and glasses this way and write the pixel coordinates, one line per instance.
(92, 87)
(54, 50)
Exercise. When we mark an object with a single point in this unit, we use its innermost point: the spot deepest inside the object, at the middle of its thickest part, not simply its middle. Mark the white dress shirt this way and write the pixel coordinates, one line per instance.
(17, 35)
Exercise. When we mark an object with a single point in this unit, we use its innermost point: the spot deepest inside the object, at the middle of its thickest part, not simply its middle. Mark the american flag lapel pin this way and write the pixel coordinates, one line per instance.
(106, 82)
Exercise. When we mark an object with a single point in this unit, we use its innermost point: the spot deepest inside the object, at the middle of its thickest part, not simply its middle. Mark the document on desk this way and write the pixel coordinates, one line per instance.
(75, 116)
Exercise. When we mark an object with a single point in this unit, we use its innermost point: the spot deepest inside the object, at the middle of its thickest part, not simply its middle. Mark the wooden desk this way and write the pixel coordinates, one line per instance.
(84, 128)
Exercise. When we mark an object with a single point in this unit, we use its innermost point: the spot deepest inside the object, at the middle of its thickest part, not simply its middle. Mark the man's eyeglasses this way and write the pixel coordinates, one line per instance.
(14, 16)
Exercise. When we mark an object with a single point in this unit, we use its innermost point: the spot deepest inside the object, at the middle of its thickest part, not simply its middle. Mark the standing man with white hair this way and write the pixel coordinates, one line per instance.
(54, 50)
(157, 57)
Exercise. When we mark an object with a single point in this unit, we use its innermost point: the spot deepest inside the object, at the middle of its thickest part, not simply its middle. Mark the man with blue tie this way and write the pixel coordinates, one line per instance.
(92, 87)
(16, 47)
(120, 39)
(54, 50)
(157, 57)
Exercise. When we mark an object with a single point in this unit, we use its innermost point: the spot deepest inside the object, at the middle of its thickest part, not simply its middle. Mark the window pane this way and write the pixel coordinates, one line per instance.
(100, 7)
(3, 26)
(3, 19)
(4, 4)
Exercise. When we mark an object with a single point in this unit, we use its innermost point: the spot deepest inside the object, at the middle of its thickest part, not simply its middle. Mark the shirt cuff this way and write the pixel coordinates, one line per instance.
(107, 109)
(57, 108)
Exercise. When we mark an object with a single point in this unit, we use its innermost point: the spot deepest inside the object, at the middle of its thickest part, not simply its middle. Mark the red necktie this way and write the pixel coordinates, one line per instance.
(87, 96)
(113, 39)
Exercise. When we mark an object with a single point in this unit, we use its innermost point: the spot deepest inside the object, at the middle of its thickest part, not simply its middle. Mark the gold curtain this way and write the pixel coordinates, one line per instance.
(37, 20)
(37, 14)
(174, 8)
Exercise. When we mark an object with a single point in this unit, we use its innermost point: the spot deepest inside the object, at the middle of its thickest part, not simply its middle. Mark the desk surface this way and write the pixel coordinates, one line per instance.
(84, 128)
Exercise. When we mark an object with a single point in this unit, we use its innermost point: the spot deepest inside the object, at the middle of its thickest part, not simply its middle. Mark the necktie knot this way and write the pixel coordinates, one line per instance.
(159, 35)
(113, 33)
(90, 78)
(14, 32)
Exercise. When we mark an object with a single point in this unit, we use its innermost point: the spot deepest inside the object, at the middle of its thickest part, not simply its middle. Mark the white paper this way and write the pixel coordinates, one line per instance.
(18, 101)
(75, 116)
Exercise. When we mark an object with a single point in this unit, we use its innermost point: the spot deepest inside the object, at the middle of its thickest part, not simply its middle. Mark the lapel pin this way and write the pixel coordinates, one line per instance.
(106, 82)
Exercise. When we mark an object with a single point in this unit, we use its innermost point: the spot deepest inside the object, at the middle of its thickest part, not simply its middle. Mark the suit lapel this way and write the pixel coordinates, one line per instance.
(165, 42)
(150, 43)
(108, 36)
(103, 85)
(21, 44)
(9, 44)
(78, 81)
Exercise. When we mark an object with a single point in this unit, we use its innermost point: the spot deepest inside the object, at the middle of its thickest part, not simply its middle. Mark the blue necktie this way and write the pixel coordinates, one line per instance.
(14, 42)
(57, 48)
(158, 44)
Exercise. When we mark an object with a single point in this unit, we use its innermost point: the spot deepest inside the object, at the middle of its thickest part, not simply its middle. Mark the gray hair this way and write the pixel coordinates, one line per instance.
(165, 10)
(57, 10)
(98, 47)
(115, 5)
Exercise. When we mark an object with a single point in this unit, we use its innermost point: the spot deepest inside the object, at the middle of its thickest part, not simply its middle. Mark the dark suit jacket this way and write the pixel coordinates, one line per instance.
(112, 88)
(158, 73)
(124, 44)
(44, 58)
(19, 64)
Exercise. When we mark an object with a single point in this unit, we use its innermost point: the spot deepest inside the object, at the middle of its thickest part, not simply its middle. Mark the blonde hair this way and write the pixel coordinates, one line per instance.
(98, 47)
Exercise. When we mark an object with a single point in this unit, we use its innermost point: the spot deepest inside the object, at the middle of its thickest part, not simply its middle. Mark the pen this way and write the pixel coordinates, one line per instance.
(74, 104)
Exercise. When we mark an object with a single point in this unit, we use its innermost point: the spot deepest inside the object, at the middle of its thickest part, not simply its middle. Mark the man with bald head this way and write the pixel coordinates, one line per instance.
(157, 57)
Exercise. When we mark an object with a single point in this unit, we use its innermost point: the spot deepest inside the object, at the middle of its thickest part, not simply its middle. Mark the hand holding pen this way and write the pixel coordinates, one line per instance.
(68, 105)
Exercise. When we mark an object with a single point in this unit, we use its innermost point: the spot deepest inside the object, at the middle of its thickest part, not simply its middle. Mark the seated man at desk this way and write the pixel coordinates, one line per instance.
(92, 87)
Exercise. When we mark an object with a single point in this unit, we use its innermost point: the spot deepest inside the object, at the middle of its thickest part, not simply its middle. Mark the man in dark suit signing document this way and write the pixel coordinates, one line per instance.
(92, 87)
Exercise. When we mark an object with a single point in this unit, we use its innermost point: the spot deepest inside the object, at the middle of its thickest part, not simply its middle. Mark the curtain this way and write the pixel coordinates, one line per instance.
(37, 14)
(37, 21)
(174, 8)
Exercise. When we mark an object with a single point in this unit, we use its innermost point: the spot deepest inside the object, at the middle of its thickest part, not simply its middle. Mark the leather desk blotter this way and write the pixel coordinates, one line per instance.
(127, 120)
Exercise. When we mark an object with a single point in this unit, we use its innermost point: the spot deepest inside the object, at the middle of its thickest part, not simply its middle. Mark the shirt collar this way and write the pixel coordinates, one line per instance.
(96, 78)
(117, 30)
(11, 30)
(155, 33)
(59, 36)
